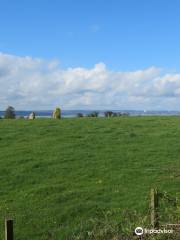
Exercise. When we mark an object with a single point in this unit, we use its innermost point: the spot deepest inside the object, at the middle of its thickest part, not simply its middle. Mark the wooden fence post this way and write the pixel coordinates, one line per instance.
(9, 235)
(154, 207)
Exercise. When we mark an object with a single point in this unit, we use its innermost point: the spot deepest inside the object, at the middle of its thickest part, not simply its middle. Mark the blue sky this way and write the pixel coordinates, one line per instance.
(124, 35)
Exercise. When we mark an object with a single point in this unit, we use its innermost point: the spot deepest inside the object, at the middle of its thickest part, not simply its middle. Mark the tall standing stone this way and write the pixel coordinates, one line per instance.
(57, 113)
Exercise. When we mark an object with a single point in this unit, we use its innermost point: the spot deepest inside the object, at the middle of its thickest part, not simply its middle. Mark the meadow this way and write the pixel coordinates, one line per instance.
(85, 178)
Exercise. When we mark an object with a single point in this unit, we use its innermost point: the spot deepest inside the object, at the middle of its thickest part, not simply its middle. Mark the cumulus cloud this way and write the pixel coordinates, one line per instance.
(32, 83)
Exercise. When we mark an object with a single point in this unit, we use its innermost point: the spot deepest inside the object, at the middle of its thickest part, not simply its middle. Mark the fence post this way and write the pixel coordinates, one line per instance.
(9, 235)
(153, 208)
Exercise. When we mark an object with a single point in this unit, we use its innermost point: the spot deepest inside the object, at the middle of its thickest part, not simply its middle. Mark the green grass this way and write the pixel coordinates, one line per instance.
(68, 179)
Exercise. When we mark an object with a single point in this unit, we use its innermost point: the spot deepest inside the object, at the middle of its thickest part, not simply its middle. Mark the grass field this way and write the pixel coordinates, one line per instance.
(81, 178)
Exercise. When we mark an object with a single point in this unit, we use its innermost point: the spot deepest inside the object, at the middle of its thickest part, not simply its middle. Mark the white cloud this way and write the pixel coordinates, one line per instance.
(32, 83)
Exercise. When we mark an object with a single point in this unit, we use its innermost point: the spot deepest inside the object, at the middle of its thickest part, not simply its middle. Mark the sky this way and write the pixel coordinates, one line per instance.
(90, 54)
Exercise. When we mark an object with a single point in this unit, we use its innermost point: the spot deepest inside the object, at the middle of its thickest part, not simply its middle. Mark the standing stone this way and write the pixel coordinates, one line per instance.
(57, 113)
(32, 116)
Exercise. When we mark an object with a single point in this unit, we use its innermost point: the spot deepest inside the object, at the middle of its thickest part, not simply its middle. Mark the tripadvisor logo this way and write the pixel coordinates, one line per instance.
(140, 231)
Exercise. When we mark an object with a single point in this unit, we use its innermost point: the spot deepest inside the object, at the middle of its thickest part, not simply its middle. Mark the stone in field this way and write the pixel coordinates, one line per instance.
(32, 116)
(57, 113)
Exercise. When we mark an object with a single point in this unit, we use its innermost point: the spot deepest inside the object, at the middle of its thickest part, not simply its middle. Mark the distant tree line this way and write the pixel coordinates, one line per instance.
(106, 114)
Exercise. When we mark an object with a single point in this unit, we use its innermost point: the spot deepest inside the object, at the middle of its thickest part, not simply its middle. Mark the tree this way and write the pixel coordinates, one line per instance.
(10, 113)
(80, 115)
(93, 114)
(108, 114)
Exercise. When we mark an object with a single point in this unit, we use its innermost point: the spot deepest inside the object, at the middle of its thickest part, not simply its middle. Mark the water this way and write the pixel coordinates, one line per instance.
(73, 113)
